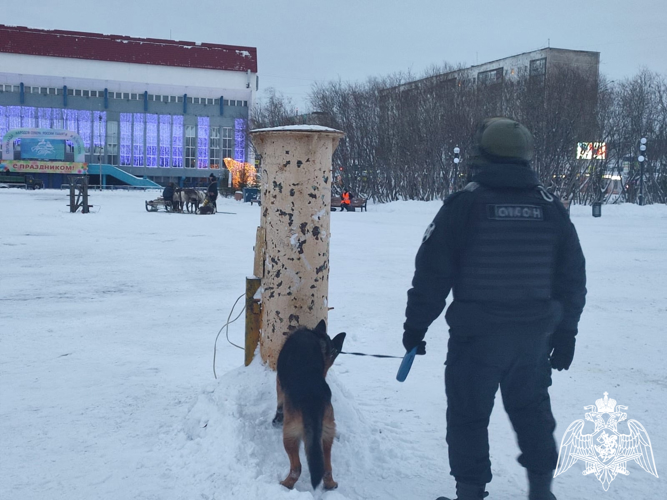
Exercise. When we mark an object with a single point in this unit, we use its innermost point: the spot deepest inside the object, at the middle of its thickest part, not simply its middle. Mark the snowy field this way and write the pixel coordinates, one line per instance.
(107, 324)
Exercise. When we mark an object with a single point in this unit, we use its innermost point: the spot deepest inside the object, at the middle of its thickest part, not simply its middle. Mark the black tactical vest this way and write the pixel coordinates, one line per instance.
(509, 252)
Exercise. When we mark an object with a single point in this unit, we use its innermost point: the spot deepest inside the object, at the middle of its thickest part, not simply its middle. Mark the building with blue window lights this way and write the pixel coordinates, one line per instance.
(162, 110)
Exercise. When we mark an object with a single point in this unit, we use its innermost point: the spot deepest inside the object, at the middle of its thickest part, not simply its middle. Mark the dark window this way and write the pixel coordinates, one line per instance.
(537, 71)
(190, 146)
(214, 145)
(491, 77)
(538, 67)
(112, 142)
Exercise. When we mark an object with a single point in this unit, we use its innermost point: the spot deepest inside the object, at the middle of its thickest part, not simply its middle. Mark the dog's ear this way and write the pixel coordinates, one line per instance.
(321, 328)
(337, 342)
(335, 347)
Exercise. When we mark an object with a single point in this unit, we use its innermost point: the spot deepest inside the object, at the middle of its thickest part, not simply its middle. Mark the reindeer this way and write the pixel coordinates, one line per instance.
(191, 199)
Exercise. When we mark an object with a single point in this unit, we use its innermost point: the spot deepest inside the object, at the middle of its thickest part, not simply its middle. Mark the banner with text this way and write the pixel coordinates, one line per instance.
(45, 167)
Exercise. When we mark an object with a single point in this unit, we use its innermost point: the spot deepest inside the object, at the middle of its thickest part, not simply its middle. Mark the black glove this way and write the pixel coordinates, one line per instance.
(563, 350)
(414, 338)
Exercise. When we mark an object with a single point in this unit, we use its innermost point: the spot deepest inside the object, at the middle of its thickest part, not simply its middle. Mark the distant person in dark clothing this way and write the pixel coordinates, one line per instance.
(212, 191)
(168, 194)
(509, 252)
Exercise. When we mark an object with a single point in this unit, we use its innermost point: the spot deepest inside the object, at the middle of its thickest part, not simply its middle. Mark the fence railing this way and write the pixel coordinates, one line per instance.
(97, 187)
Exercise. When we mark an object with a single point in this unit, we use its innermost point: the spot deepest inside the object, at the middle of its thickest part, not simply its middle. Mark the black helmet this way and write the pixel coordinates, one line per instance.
(502, 140)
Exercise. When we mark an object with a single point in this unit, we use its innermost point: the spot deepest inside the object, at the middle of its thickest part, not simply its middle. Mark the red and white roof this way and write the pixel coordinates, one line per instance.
(125, 49)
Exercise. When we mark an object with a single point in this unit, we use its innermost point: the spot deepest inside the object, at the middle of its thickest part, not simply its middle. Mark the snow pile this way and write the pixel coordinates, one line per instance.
(228, 447)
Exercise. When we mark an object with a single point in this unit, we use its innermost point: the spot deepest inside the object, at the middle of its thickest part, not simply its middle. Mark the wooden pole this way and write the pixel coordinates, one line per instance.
(72, 195)
(296, 206)
(84, 188)
(252, 318)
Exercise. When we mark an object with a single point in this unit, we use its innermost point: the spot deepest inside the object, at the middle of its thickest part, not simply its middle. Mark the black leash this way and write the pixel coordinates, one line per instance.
(372, 355)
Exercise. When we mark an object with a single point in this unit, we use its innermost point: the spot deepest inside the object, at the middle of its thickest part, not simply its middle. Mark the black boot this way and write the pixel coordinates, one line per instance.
(468, 492)
(539, 486)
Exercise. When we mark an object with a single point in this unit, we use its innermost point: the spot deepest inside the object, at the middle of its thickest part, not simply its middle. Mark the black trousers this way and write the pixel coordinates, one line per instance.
(475, 368)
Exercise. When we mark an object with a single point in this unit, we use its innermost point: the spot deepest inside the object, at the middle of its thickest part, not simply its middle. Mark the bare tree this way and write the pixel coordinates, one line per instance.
(401, 132)
(274, 110)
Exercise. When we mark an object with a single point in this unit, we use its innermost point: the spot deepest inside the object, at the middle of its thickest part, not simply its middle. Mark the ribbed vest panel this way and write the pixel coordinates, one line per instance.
(510, 252)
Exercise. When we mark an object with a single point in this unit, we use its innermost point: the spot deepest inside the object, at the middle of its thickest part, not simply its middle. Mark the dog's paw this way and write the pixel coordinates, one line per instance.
(330, 485)
(288, 483)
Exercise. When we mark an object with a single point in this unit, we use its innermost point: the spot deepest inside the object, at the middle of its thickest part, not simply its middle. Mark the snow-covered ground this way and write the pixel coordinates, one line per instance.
(107, 324)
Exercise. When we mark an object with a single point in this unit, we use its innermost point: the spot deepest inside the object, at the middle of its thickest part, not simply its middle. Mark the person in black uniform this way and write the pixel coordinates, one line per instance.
(212, 191)
(509, 252)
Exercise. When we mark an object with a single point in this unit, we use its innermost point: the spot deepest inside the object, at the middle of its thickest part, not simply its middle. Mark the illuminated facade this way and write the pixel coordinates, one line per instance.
(161, 109)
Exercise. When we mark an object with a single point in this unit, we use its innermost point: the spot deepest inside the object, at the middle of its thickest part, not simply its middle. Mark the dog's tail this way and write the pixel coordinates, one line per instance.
(313, 413)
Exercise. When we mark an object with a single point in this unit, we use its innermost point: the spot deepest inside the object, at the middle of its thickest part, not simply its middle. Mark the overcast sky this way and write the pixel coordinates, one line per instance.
(300, 42)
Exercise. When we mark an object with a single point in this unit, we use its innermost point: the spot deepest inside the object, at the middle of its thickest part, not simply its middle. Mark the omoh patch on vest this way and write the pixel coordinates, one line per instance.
(515, 212)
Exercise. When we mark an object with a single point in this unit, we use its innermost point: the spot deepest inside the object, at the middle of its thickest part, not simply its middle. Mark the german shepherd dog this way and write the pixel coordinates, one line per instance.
(304, 402)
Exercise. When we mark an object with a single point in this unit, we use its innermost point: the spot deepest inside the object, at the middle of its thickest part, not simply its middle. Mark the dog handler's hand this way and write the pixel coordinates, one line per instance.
(563, 350)
(412, 339)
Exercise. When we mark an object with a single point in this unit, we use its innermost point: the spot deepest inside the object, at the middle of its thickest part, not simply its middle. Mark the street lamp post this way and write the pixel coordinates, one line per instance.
(641, 159)
(101, 148)
(457, 160)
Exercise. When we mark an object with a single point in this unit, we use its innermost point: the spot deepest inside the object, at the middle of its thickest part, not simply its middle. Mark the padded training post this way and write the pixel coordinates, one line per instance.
(296, 205)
